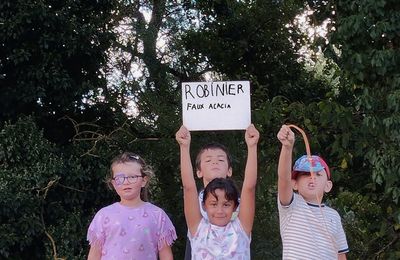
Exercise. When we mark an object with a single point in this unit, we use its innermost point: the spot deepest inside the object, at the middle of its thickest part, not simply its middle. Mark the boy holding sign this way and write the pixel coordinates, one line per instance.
(229, 237)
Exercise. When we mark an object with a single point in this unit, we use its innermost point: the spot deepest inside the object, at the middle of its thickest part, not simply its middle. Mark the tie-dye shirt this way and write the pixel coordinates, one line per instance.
(130, 233)
(212, 242)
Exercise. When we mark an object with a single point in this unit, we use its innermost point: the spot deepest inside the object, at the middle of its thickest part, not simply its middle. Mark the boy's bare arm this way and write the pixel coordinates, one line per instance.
(285, 190)
(342, 257)
(247, 198)
(190, 195)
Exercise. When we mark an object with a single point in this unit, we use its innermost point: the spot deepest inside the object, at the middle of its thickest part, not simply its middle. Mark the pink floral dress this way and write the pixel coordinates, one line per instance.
(131, 233)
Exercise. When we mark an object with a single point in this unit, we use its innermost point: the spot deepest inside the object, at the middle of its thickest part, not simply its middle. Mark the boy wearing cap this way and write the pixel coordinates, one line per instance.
(309, 229)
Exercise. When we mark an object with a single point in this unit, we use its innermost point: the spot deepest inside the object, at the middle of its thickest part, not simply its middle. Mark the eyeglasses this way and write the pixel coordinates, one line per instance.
(120, 179)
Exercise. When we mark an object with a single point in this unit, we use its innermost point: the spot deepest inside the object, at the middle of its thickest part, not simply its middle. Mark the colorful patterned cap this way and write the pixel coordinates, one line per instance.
(314, 164)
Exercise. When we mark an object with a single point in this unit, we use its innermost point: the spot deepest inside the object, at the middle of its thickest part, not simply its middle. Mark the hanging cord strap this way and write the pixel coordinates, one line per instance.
(307, 144)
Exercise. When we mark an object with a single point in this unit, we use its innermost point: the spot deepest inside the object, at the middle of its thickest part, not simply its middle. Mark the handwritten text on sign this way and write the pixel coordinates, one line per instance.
(223, 105)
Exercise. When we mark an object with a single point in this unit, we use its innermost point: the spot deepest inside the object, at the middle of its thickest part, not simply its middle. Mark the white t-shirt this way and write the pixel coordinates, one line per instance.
(310, 232)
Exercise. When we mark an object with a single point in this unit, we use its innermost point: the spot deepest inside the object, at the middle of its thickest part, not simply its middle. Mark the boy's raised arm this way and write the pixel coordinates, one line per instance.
(190, 196)
(247, 198)
(285, 190)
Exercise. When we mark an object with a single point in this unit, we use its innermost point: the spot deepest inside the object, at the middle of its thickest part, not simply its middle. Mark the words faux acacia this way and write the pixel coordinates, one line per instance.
(216, 105)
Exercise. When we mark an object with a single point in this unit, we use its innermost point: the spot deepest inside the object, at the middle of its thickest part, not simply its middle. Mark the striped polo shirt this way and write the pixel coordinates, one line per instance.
(309, 231)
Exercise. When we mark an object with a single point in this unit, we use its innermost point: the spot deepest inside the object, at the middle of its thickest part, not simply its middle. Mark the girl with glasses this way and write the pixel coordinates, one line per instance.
(131, 228)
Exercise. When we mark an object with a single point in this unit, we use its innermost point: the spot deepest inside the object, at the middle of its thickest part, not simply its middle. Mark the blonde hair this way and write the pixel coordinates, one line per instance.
(145, 169)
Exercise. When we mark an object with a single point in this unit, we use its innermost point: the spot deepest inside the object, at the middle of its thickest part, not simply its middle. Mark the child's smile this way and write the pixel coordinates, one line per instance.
(219, 210)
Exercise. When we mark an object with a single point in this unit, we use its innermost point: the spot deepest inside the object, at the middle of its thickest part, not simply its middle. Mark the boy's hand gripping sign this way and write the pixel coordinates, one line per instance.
(222, 105)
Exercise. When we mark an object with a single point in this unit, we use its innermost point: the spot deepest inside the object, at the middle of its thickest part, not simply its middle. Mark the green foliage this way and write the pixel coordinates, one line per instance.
(51, 55)
(365, 44)
(29, 169)
(249, 40)
(51, 61)
(361, 220)
(46, 198)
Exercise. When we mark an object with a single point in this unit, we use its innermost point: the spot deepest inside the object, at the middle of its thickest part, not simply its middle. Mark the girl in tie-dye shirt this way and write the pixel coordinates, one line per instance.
(132, 228)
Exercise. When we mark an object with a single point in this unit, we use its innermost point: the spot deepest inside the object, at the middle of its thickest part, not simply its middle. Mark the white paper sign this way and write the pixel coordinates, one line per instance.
(222, 105)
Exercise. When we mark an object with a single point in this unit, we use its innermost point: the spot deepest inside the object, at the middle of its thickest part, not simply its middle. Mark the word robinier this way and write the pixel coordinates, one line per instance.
(223, 105)
(214, 89)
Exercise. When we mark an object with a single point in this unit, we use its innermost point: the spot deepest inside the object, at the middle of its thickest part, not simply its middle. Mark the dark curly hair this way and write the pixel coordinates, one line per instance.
(227, 185)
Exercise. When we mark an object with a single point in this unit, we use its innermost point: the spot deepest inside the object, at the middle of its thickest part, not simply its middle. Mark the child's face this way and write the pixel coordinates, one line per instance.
(312, 188)
(128, 188)
(219, 210)
(213, 164)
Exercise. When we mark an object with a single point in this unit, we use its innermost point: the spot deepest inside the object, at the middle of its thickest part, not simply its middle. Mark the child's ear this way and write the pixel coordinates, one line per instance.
(229, 172)
(328, 186)
(144, 182)
(294, 185)
(112, 186)
(199, 174)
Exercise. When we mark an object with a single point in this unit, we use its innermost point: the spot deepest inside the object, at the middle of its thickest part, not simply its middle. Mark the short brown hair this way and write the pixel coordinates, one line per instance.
(213, 146)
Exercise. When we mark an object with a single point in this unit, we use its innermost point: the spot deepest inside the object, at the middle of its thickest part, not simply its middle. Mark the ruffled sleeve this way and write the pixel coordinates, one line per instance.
(167, 231)
(96, 234)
